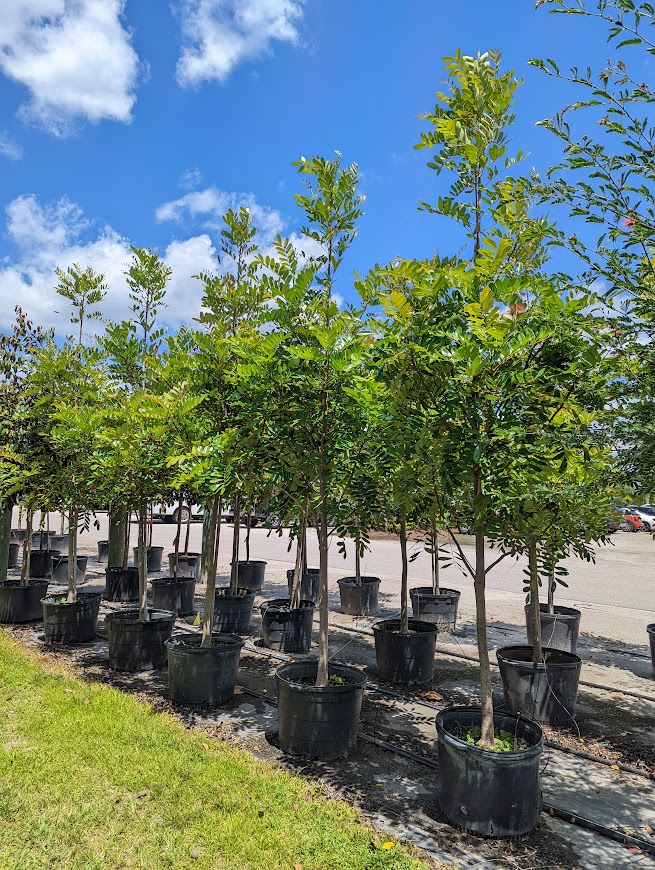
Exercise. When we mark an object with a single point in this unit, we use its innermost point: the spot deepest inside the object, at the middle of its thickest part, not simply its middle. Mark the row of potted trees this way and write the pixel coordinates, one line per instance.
(464, 389)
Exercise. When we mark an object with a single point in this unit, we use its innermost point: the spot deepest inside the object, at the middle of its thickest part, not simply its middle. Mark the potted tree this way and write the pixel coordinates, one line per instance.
(314, 394)
(20, 463)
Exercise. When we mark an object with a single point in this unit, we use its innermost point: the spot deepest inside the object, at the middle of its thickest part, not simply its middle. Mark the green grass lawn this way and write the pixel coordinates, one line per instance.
(91, 778)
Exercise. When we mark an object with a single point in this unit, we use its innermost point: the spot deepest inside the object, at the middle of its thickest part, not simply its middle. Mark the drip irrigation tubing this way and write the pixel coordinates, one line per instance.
(552, 744)
(547, 808)
(453, 655)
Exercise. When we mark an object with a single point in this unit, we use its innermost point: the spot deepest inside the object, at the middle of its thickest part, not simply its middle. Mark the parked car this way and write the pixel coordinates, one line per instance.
(169, 513)
(646, 517)
(629, 521)
(613, 524)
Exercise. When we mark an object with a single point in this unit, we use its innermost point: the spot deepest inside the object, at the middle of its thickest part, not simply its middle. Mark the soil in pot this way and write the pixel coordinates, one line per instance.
(491, 793)
(287, 630)
(135, 645)
(309, 584)
(546, 691)
(359, 599)
(187, 564)
(122, 584)
(233, 613)
(14, 547)
(439, 608)
(60, 569)
(154, 557)
(21, 603)
(174, 594)
(251, 575)
(651, 635)
(559, 630)
(71, 623)
(103, 551)
(318, 723)
(41, 562)
(405, 658)
(202, 677)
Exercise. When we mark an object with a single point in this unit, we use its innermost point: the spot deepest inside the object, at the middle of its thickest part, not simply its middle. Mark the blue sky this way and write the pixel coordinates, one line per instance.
(140, 122)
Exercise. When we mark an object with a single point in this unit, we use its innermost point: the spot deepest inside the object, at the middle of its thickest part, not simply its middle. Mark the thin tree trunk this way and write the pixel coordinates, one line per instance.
(128, 534)
(404, 610)
(304, 541)
(47, 528)
(298, 570)
(118, 519)
(535, 619)
(188, 532)
(551, 589)
(72, 554)
(435, 559)
(150, 525)
(20, 518)
(142, 554)
(61, 522)
(248, 527)
(211, 529)
(234, 574)
(5, 538)
(322, 675)
(487, 724)
(358, 564)
(176, 548)
(27, 550)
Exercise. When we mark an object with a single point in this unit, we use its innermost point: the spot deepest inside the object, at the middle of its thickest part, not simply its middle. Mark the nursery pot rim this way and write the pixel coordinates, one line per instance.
(251, 562)
(363, 581)
(358, 677)
(416, 626)
(191, 643)
(283, 605)
(171, 581)
(51, 600)
(132, 616)
(521, 654)
(428, 592)
(224, 592)
(503, 757)
(32, 581)
(560, 610)
(651, 628)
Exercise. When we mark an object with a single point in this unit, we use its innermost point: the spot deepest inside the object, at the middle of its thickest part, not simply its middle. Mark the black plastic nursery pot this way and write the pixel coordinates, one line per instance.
(318, 722)
(287, 630)
(186, 564)
(251, 575)
(651, 635)
(559, 630)
(122, 584)
(21, 603)
(439, 608)
(135, 645)
(154, 557)
(59, 542)
(174, 594)
(359, 599)
(39, 537)
(546, 691)
(202, 677)
(493, 794)
(14, 547)
(103, 551)
(71, 623)
(405, 658)
(60, 569)
(232, 613)
(309, 584)
(41, 562)
(18, 534)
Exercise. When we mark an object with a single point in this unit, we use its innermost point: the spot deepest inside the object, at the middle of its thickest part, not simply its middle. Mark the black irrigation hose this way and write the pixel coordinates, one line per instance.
(549, 809)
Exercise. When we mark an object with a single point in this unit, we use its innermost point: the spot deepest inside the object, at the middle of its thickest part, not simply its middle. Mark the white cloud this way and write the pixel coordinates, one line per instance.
(74, 56)
(219, 34)
(9, 148)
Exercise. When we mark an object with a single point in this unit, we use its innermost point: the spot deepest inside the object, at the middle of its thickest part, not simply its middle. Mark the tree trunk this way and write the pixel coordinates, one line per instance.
(142, 553)
(72, 554)
(435, 559)
(551, 589)
(176, 548)
(27, 550)
(300, 562)
(404, 610)
(188, 532)
(62, 518)
(487, 736)
(118, 518)
(323, 610)
(535, 619)
(234, 574)
(47, 528)
(150, 524)
(358, 561)
(248, 527)
(5, 537)
(211, 530)
(128, 533)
